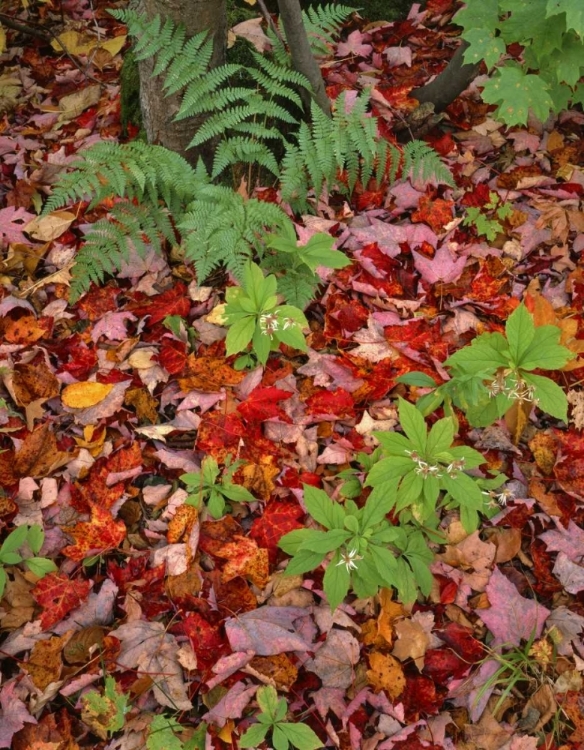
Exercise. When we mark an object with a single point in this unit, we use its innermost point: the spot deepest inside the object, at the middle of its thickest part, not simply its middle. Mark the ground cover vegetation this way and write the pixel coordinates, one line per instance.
(291, 440)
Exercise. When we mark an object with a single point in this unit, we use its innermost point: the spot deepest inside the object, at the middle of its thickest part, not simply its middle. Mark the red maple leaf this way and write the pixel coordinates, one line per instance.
(338, 403)
(262, 404)
(174, 301)
(58, 595)
(276, 520)
(173, 355)
(103, 532)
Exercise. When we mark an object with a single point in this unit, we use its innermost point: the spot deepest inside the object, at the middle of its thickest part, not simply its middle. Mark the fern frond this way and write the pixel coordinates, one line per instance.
(190, 63)
(246, 151)
(204, 95)
(422, 163)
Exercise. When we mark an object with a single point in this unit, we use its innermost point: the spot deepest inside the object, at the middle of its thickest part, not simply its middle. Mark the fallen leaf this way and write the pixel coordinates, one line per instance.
(58, 594)
(103, 532)
(84, 395)
(335, 660)
(386, 673)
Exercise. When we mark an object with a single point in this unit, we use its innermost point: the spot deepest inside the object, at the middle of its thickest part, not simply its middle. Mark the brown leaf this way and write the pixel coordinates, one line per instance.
(45, 664)
(33, 382)
(386, 673)
(506, 540)
(208, 374)
(544, 449)
(39, 455)
(83, 645)
(144, 403)
(277, 669)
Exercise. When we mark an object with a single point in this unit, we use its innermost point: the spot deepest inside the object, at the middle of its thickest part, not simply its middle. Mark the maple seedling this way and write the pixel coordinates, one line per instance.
(203, 486)
(163, 731)
(254, 317)
(10, 552)
(421, 468)
(487, 219)
(271, 718)
(495, 372)
(105, 714)
(368, 553)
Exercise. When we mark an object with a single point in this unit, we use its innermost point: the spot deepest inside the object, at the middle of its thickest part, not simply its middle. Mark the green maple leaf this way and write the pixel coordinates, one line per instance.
(516, 93)
(574, 10)
(483, 45)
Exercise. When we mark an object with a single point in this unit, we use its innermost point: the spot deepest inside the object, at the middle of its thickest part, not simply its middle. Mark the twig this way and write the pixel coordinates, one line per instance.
(271, 23)
(47, 36)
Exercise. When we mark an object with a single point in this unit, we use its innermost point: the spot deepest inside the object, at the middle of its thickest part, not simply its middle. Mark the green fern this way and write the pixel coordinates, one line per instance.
(157, 199)
(216, 226)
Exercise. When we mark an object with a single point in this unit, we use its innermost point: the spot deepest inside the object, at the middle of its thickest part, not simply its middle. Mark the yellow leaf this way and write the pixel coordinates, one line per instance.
(73, 42)
(2, 39)
(113, 46)
(47, 228)
(250, 2)
(84, 395)
(73, 105)
(217, 315)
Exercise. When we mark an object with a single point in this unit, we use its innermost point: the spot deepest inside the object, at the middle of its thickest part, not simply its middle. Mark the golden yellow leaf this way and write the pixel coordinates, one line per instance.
(48, 228)
(84, 395)
(113, 46)
(2, 39)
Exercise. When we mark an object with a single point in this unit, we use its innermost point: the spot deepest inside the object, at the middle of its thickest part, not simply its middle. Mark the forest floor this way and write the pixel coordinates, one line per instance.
(155, 613)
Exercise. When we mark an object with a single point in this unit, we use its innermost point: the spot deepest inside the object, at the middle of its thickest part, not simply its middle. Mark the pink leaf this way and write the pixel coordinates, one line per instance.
(14, 714)
(354, 46)
(570, 575)
(267, 631)
(12, 222)
(442, 267)
(511, 617)
(335, 659)
(570, 541)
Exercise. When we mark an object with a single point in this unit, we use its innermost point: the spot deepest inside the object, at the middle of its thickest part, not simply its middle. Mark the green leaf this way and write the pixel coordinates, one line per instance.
(520, 332)
(474, 15)
(36, 538)
(301, 736)
(375, 511)
(279, 739)
(40, 566)
(515, 93)
(385, 563)
(388, 470)
(574, 11)
(550, 397)
(394, 442)
(318, 252)
(419, 379)
(267, 698)
(413, 424)
(239, 335)
(545, 352)
(302, 562)
(216, 503)
(293, 540)
(483, 45)
(237, 493)
(485, 354)
(440, 437)
(15, 539)
(209, 470)
(326, 542)
(336, 581)
(254, 736)
(325, 511)
(472, 458)
(410, 490)
(464, 490)
(10, 558)
(3, 579)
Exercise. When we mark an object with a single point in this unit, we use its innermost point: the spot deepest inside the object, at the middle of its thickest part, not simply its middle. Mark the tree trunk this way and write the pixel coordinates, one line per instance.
(158, 111)
(449, 84)
(302, 57)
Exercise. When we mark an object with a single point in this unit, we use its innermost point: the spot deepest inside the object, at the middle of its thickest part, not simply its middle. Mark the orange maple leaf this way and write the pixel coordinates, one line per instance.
(97, 535)
(58, 595)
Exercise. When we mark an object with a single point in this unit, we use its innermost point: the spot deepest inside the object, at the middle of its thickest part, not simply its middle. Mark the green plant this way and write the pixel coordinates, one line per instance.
(487, 219)
(106, 713)
(203, 487)
(335, 152)
(156, 199)
(295, 265)
(422, 468)
(368, 552)
(548, 75)
(495, 371)
(254, 317)
(271, 718)
(163, 731)
(11, 549)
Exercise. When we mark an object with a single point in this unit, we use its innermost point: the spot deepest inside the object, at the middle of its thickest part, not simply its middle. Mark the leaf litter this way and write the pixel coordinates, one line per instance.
(103, 408)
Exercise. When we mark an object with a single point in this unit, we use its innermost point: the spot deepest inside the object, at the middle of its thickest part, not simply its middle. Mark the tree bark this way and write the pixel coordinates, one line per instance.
(449, 84)
(158, 111)
(302, 57)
